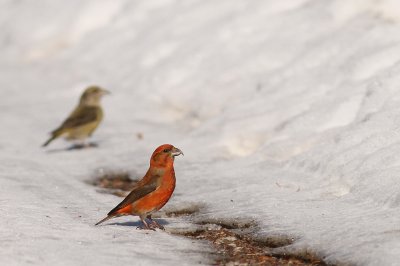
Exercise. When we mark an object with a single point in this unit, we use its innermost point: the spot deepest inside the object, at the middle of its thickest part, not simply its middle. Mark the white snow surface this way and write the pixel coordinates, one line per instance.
(288, 113)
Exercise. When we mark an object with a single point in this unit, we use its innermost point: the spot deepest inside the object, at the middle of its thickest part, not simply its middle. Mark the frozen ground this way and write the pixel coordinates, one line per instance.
(288, 113)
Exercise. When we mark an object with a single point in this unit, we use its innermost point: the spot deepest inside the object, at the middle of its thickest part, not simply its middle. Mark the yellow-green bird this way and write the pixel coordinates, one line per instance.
(86, 117)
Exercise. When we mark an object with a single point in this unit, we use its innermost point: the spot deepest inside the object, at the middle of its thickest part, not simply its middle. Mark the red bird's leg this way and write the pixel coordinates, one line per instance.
(146, 225)
(153, 223)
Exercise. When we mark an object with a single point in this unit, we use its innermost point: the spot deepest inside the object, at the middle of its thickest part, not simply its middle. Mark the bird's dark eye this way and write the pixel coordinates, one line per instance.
(166, 150)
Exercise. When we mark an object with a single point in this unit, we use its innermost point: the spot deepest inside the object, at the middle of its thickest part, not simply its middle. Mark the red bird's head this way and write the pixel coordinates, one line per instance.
(164, 156)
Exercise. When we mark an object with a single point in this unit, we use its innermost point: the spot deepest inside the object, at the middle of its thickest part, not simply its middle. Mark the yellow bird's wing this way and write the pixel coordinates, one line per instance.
(81, 116)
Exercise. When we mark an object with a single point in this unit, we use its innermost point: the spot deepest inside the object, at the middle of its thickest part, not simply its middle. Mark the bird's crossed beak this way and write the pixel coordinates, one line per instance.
(176, 152)
(105, 92)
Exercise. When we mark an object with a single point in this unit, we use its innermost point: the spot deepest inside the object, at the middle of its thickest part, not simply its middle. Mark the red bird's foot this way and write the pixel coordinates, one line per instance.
(145, 228)
(154, 224)
(145, 225)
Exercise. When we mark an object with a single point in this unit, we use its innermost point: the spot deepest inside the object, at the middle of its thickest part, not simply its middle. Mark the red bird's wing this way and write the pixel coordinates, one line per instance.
(137, 193)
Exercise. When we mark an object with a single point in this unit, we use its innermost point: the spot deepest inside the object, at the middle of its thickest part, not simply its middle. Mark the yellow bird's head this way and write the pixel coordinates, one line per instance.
(92, 95)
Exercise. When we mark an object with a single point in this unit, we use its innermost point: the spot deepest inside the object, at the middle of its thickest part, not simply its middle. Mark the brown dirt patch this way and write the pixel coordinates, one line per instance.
(235, 249)
(118, 183)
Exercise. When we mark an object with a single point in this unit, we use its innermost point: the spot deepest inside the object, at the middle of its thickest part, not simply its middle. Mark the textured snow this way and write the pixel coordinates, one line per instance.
(287, 112)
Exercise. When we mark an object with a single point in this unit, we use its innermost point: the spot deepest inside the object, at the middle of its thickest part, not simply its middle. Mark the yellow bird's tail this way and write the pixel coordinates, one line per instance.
(55, 134)
(48, 141)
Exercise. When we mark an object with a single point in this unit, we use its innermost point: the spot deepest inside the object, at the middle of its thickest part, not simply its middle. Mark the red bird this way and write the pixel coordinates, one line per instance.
(153, 191)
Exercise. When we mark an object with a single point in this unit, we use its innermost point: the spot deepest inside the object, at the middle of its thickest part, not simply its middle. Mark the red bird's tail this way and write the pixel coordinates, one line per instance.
(105, 219)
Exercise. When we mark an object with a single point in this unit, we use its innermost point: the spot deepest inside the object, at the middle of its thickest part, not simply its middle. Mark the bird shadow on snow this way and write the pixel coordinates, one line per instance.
(137, 223)
(75, 147)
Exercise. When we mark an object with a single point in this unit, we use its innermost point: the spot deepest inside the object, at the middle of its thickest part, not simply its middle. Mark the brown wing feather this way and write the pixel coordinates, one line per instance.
(81, 116)
(138, 193)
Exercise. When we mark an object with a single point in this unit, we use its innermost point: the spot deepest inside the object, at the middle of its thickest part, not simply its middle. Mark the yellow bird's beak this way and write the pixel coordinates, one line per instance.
(105, 92)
